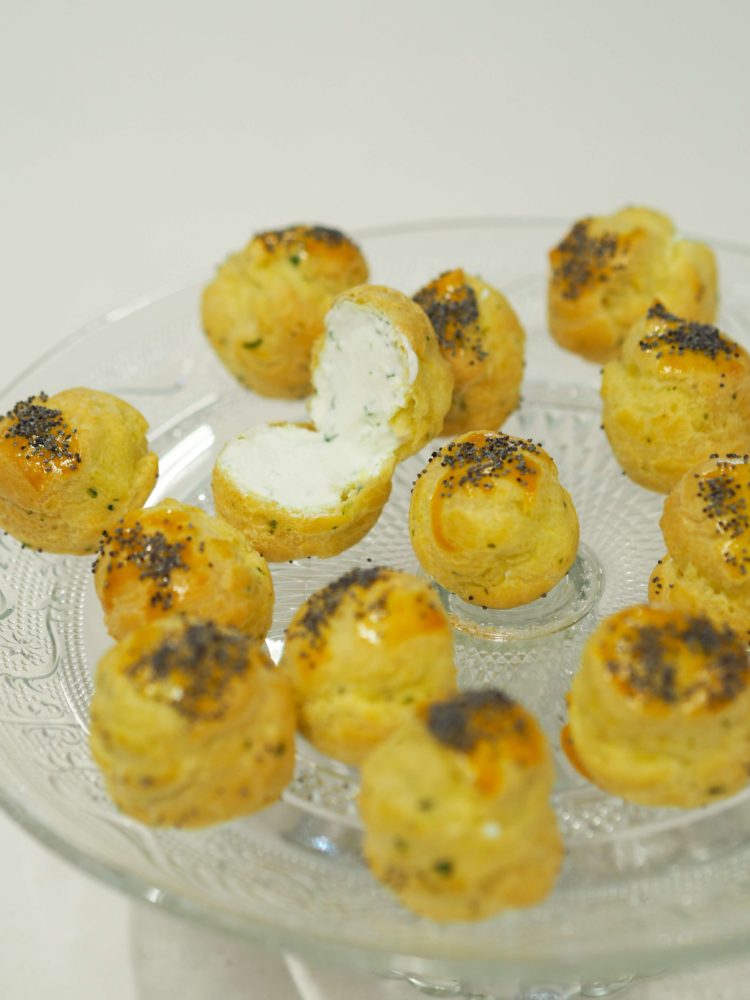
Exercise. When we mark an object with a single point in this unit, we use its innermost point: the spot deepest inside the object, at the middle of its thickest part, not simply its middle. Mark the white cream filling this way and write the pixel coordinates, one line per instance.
(364, 371)
(297, 468)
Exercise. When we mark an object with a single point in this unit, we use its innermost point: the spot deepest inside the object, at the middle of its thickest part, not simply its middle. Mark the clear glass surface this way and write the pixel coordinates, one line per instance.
(641, 888)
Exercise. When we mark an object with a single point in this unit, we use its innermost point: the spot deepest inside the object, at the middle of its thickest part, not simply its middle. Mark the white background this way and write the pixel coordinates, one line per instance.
(143, 140)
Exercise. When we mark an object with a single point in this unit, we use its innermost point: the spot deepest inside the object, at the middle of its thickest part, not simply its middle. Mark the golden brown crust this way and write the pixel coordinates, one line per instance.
(609, 270)
(71, 465)
(281, 533)
(706, 526)
(659, 709)
(680, 391)
(265, 308)
(363, 654)
(482, 340)
(706, 521)
(685, 588)
(456, 809)
(429, 396)
(175, 557)
(490, 521)
(191, 724)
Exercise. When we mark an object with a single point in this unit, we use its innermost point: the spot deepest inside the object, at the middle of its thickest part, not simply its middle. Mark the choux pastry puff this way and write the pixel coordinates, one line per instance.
(191, 724)
(70, 466)
(679, 392)
(659, 711)
(175, 557)
(382, 390)
(706, 526)
(265, 307)
(490, 521)
(456, 809)
(363, 654)
(482, 340)
(609, 270)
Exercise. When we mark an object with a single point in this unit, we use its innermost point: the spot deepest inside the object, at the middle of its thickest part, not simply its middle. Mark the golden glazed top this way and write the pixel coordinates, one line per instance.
(134, 550)
(479, 458)
(679, 344)
(668, 658)
(586, 258)
(724, 492)
(473, 464)
(40, 436)
(385, 610)
(707, 517)
(451, 303)
(297, 243)
(491, 730)
(192, 669)
(316, 614)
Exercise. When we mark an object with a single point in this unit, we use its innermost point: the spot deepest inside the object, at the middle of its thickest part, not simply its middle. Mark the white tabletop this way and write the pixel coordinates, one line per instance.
(144, 140)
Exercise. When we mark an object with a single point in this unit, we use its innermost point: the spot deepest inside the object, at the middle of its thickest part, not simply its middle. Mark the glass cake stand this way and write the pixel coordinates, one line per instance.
(642, 889)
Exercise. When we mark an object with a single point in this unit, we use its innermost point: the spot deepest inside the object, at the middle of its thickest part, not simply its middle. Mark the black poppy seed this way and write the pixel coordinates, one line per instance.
(41, 431)
(205, 659)
(324, 603)
(325, 234)
(294, 237)
(724, 504)
(461, 722)
(649, 657)
(583, 258)
(153, 554)
(496, 456)
(680, 336)
(452, 307)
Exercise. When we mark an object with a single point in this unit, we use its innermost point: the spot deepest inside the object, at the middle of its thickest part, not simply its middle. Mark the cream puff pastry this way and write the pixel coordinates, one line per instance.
(706, 527)
(265, 307)
(70, 466)
(679, 392)
(609, 270)
(490, 521)
(483, 341)
(659, 711)
(175, 557)
(363, 654)
(456, 809)
(191, 724)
